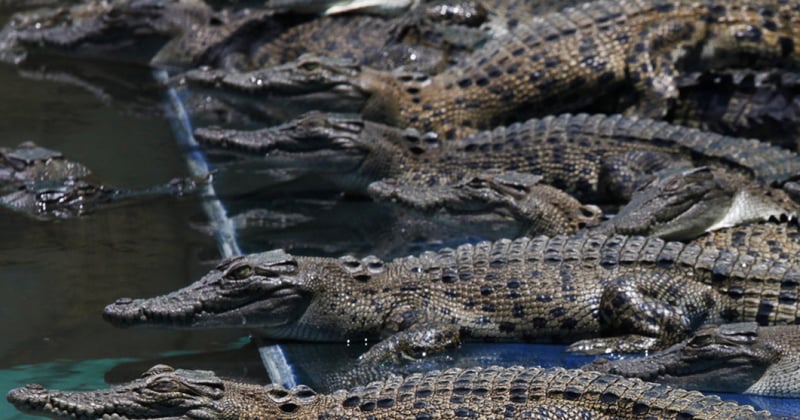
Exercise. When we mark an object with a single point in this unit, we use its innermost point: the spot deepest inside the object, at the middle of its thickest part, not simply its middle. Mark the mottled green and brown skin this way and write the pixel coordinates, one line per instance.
(488, 393)
(617, 292)
(596, 158)
(561, 61)
(740, 358)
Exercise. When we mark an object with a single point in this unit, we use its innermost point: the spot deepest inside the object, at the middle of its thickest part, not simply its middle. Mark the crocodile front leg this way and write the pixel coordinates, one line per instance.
(647, 311)
(419, 341)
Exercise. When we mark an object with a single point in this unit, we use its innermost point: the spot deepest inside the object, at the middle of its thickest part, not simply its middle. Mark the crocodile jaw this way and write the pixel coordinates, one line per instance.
(162, 392)
(748, 208)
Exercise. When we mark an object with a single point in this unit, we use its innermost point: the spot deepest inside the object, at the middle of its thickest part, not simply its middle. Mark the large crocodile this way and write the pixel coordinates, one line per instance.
(493, 392)
(740, 358)
(598, 159)
(566, 59)
(617, 292)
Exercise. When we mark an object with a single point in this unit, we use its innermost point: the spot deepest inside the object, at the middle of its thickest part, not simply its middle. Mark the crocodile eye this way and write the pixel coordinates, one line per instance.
(309, 66)
(673, 184)
(701, 340)
(164, 385)
(240, 273)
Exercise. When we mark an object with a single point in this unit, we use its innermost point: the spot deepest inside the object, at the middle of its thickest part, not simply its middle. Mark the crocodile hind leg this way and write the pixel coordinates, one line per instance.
(647, 311)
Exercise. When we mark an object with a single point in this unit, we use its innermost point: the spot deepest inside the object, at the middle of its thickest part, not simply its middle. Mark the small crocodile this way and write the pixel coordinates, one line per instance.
(42, 183)
(563, 60)
(740, 358)
(492, 392)
(596, 158)
(685, 203)
(614, 292)
(71, 197)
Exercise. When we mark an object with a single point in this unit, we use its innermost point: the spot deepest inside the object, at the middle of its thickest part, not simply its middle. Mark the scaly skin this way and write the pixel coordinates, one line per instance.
(487, 393)
(101, 28)
(193, 34)
(769, 240)
(739, 358)
(596, 158)
(683, 204)
(763, 105)
(619, 293)
(564, 60)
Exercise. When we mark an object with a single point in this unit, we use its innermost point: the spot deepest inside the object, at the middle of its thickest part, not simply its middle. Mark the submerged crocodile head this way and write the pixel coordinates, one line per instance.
(165, 393)
(271, 290)
(31, 163)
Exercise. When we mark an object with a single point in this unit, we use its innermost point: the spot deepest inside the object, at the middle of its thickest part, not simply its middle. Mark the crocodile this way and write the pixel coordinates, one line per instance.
(41, 182)
(189, 33)
(739, 358)
(71, 197)
(611, 292)
(596, 158)
(492, 392)
(685, 203)
(131, 30)
(563, 60)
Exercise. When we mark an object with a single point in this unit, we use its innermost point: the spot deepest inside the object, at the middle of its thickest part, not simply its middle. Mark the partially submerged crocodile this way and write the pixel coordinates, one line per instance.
(620, 293)
(72, 197)
(739, 358)
(493, 392)
(563, 60)
(40, 182)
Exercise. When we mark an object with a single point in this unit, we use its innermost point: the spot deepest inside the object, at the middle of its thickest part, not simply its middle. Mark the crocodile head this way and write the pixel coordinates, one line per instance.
(165, 393)
(102, 28)
(684, 204)
(56, 198)
(269, 290)
(31, 163)
(741, 358)
(312, 131)
(308, 74)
